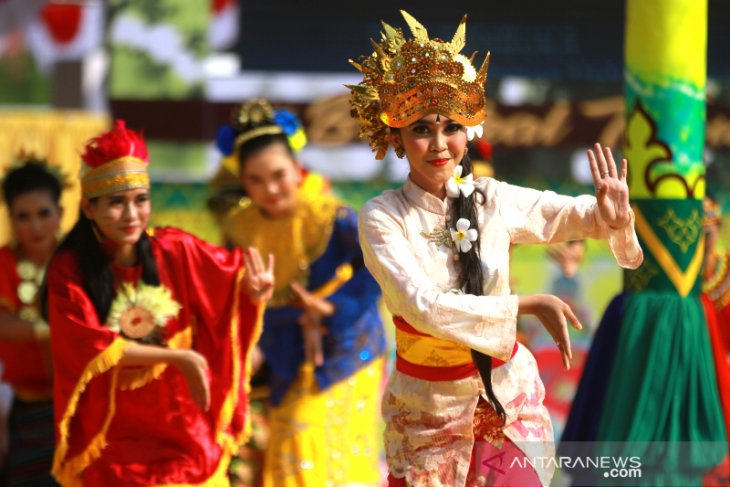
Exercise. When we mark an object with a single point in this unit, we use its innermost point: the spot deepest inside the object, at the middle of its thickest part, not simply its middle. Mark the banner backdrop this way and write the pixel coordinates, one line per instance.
(650, 375)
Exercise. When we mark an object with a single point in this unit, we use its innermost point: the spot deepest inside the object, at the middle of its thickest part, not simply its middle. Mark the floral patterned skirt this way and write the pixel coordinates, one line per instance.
(495, 459)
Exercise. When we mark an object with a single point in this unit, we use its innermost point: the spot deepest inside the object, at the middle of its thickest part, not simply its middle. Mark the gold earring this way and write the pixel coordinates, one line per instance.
(400, 152)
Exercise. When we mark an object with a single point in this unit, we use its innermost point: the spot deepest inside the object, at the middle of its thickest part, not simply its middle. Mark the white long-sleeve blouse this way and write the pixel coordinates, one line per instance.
(419, 279)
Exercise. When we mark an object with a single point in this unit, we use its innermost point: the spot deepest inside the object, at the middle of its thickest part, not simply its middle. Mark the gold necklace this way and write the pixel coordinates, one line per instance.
(31, 278)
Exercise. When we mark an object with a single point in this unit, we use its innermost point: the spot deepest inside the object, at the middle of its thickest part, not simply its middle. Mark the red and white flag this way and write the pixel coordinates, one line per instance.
(223, 28)
(65, 31)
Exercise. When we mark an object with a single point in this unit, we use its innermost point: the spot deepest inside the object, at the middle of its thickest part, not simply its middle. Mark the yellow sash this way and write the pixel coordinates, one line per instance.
(422, 349)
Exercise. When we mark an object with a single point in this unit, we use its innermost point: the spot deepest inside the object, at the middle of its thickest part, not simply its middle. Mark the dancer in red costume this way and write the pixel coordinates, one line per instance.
(716, 301)
(32, 192)
(716, 273)
(151, 335)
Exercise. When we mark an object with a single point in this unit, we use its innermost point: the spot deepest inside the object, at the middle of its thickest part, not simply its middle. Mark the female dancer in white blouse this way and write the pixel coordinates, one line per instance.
(439, 248)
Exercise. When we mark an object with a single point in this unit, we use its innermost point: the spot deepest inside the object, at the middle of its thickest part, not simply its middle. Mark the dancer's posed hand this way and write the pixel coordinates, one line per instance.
(612, 192)
(258, 281)
(194, 367)
(554, 314)
(315, 309)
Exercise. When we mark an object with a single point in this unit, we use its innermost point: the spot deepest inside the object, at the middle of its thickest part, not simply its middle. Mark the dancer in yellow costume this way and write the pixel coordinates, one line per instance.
(323, 338)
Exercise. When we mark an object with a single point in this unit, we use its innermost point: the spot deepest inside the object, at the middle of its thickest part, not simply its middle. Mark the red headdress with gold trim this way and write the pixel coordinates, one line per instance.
(114, 161)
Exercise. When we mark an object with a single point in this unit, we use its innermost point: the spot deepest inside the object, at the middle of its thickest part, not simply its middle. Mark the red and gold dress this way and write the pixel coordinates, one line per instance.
(140, 426)
(716, 301)
(716, 286)
(26, 367)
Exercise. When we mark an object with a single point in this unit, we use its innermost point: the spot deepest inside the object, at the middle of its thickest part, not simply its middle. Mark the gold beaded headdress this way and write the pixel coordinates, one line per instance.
(405, 80)
(254, 119)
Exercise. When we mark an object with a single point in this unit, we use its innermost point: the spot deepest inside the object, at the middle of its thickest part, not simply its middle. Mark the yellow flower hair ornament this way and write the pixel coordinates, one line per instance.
(138, 312)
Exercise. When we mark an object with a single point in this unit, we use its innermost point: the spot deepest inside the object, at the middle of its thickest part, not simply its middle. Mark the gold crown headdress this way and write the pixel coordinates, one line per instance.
(404, 80)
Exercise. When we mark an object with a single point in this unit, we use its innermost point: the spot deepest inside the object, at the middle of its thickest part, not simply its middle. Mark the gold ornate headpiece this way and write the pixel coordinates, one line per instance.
(404, 80)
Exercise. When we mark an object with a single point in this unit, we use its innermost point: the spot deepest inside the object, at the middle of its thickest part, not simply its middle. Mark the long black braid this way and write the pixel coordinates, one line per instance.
(472, 279)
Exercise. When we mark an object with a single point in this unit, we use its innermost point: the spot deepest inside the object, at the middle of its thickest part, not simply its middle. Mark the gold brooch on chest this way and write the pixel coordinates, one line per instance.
(439, 236)
(461, 237)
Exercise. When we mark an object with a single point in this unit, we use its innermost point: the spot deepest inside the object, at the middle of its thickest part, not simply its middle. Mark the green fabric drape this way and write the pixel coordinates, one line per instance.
(663, 392)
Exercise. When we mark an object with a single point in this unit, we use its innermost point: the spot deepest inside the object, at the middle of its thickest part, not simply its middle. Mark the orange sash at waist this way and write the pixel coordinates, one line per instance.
(426, 357)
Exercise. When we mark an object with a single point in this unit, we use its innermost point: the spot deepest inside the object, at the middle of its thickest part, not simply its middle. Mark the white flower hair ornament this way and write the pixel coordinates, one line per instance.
(464, 235)
(460, 184)
(476, 130)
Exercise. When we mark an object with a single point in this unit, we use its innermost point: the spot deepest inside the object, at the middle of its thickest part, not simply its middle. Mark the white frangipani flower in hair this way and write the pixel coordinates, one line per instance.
(457, 183)
(477, 130)
(463, 236)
